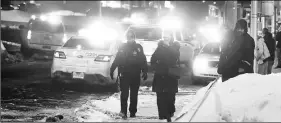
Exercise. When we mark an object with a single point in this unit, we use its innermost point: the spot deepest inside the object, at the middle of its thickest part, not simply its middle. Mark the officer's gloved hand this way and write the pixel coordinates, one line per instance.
(144, 76)
(111, 75)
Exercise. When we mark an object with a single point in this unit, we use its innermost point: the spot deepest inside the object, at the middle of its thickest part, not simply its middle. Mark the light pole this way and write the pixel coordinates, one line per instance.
(100, 8)
(254, 29)
(225, 12)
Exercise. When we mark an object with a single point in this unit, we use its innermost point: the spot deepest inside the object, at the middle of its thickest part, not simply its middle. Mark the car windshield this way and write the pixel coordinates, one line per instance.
(44, 26)
(148, 34)
(87, 44)
(211, 49)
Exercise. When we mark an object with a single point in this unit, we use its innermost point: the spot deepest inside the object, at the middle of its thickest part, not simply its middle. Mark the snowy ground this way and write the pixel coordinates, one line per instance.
(147, 108)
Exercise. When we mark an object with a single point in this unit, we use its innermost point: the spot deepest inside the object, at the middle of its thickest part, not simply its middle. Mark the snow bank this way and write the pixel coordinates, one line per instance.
(15, 16)
(248, 97)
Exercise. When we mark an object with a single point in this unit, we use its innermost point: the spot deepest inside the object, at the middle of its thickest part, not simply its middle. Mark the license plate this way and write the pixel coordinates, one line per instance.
(47, 47)
(78, 75)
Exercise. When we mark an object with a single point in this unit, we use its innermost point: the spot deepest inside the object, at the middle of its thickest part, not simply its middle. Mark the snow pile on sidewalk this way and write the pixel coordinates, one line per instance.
(246, 98)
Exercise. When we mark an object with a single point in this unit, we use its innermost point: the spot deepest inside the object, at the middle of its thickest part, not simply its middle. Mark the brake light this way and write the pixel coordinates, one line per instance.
(103, 58)
(59, 54)
(29, 35)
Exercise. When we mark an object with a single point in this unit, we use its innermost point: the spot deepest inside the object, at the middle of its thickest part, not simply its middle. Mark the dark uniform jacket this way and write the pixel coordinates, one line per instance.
(162, 59)
(278, 38)
(270, 43)
(130, 59)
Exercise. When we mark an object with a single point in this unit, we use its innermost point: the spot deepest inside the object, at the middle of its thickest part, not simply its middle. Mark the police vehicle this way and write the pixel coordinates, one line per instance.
(149, 35)
(80, 57)
(206, 62)
(43, 33)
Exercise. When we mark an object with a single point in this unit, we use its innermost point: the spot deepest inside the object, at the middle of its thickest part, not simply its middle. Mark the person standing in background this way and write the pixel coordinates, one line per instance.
(261, 54)
(270, 43)
(278, 47)
(237, 56)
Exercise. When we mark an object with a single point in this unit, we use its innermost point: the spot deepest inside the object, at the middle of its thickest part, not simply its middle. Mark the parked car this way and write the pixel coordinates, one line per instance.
(81, 57)
(205, 64)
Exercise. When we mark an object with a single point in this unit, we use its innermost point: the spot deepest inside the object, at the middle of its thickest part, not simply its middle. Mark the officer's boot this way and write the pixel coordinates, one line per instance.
(123, 115)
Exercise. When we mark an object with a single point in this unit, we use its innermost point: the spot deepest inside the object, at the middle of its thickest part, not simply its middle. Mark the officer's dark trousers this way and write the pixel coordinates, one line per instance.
(166, 103)
(132, 83)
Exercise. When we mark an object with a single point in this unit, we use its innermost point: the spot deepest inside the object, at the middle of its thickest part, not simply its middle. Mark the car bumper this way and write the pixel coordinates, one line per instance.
(63, 71)
(61, 75)
(210, 73)
(43, 47)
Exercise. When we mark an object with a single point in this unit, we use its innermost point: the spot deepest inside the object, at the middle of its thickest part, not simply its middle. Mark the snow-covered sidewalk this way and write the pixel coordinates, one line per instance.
(147, 107)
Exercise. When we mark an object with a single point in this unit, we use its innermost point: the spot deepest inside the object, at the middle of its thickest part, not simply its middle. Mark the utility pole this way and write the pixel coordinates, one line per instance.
(254, 14)
(225, 13)
(273, 23)
(100, 9)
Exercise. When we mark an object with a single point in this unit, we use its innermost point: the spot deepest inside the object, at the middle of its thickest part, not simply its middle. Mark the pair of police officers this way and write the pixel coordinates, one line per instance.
(131, 62)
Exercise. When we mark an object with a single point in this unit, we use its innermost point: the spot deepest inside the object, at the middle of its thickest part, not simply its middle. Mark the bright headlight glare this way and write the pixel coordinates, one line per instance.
(54, 19)
(64, 38)
(170, 23)
(82, 32)
(29, 34)
(33, 17)
(43, 17)
(200, 65)
(211, 32)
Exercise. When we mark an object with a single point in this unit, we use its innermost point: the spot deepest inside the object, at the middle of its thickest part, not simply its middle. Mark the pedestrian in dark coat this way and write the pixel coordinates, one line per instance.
(278, 47)
(237, 56)
(271, 44)
(131, 62)
(164, 84)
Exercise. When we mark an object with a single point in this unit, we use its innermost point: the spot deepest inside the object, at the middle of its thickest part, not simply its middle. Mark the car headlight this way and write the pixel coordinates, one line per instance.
(54, 19)
(200, 65)
(82, 32)
(64, 38)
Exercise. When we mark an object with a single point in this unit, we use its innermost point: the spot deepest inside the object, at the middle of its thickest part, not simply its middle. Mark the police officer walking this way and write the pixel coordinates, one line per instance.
(131, 62)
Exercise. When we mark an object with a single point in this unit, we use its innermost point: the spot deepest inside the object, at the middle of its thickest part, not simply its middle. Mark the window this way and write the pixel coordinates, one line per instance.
(87, 44)
(147, 34)
(44, 26)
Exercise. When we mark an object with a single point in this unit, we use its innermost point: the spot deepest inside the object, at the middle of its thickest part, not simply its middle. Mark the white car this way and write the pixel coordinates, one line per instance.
(205, 64)
(80, 57)
(149, 35)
